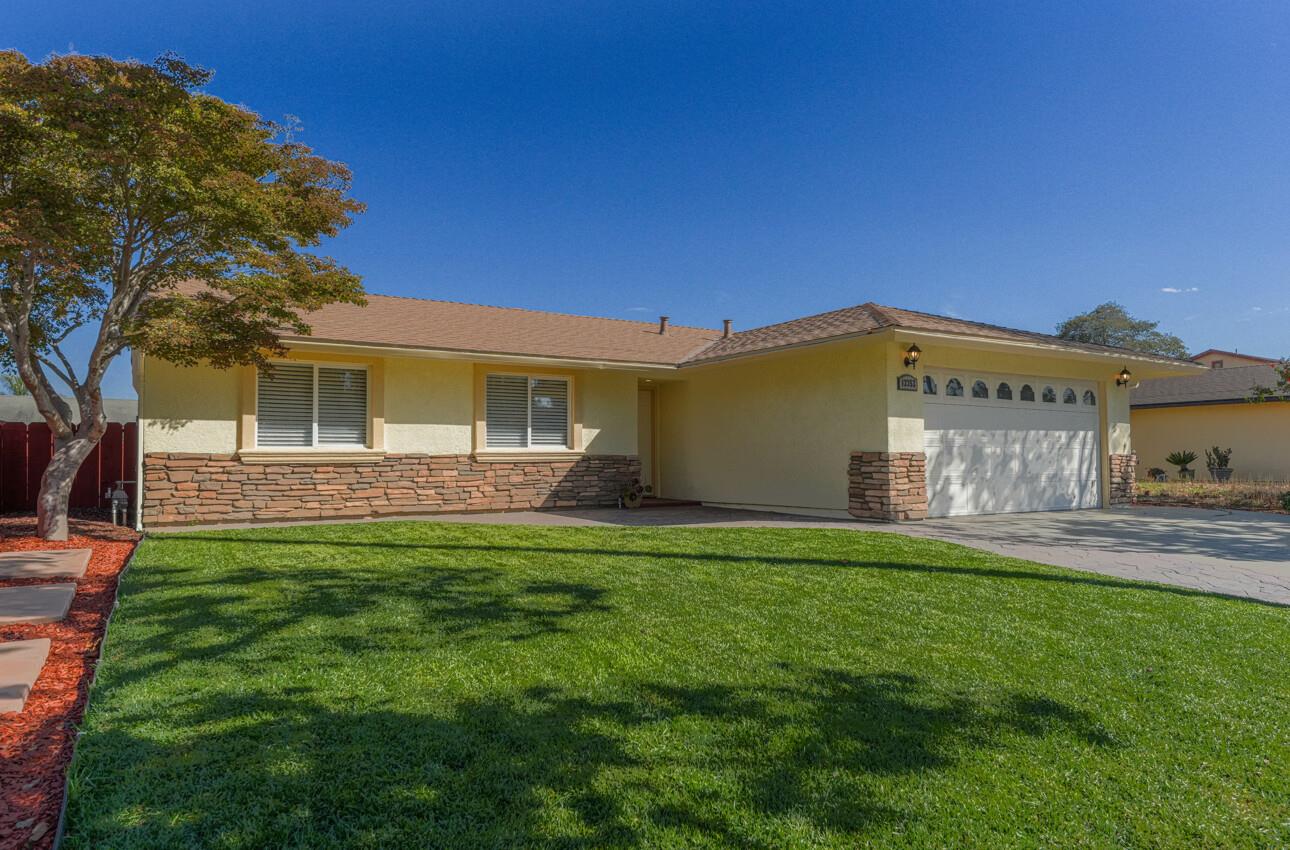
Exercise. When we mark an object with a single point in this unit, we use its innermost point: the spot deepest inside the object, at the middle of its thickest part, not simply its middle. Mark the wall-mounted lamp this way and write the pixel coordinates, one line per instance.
(1122, 379)
(912, 354)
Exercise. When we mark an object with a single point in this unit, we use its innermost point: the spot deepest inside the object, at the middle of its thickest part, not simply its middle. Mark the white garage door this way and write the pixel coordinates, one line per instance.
(1007, 443)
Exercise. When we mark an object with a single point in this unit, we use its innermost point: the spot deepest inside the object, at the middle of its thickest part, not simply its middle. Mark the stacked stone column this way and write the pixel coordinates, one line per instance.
(890, 486)
(1124, 478)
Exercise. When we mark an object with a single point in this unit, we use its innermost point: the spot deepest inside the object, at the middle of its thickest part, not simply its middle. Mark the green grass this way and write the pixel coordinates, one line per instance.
(429, 685)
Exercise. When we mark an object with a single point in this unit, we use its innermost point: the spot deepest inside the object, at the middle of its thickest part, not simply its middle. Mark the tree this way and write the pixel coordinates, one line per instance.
(1111, 324)
(118, 182)
(1281, 389)
(13, 385)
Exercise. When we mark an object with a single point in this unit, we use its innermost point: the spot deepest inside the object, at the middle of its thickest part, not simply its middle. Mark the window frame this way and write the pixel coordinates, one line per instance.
(528, 447)
(314, 445)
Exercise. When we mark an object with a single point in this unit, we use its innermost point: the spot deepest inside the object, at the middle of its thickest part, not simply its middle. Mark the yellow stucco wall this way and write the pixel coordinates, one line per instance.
(770, 431)
(607, 406)
(187, 409)
(778, 430)
(1257, 434)
(429, 406)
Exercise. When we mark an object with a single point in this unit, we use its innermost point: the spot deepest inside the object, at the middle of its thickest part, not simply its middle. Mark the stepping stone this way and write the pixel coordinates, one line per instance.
(57, 563)
(35, 603)
(20, 663)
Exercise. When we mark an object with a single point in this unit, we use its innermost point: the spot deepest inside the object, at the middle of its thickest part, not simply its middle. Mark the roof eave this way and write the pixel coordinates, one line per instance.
(1157, 366)
(315, 344)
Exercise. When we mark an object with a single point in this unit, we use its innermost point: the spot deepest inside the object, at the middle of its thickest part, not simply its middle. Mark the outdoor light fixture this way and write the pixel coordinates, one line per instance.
(912, 354)
(1122, 379)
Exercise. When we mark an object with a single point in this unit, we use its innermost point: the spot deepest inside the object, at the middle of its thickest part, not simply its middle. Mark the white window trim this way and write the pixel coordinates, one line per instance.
(530, 449)
(314, 448)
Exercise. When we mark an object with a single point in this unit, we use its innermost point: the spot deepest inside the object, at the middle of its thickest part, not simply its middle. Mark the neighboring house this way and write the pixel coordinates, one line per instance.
(410, 406)
(22, 408)
(1216, 358)
(1214, 409)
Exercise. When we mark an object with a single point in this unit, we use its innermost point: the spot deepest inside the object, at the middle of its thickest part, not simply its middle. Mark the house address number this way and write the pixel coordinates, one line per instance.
(907, 383)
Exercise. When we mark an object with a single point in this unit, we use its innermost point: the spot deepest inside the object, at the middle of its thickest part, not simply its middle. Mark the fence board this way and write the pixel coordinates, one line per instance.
(40, 447)
(25, 450)
(13, 466)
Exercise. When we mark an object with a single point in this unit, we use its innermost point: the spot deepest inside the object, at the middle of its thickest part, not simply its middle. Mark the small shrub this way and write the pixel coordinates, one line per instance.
(1217, 458)
(1285, 501)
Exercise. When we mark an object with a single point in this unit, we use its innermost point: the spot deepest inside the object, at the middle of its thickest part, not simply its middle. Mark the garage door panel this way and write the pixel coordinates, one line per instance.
(987, 456)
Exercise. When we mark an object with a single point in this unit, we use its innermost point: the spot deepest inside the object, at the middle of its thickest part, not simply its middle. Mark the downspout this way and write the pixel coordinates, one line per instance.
(138, 444)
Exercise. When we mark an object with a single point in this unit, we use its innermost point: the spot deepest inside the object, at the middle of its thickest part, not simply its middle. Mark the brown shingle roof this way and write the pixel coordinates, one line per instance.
(1214, 386)
(867, 318)
(472, 328)
(448, 325)
(422, 323)
(1211, 351)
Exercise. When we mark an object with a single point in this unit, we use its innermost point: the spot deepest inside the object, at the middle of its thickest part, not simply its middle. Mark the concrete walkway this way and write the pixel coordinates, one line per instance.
(31, 604)
(1237, 553)
(53, 563)
(20, 663)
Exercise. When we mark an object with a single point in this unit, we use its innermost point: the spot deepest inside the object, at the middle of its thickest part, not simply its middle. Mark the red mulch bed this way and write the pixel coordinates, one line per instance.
(36, 745)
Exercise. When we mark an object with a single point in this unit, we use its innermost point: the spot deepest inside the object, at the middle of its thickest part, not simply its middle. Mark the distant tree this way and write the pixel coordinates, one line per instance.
(119, 180)
(1111, 324)
(1281, 385)
(13, 385)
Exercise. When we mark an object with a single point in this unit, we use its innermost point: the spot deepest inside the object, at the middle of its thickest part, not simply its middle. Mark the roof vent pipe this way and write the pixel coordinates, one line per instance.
(725, 328)
(662, 324)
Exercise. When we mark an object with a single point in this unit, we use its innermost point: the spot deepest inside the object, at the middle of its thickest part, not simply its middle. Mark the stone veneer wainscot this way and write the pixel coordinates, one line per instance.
(212, 488)
(889, 486)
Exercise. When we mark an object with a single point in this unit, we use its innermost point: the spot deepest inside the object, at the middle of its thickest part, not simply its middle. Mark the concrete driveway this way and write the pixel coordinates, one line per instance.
(1238, 553)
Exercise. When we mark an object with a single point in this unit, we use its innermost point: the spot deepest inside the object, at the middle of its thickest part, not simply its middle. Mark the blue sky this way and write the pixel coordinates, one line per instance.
(1011, 163)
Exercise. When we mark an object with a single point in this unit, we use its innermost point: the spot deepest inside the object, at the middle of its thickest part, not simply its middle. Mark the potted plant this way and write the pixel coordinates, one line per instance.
(1181, 460)
(1217, 460)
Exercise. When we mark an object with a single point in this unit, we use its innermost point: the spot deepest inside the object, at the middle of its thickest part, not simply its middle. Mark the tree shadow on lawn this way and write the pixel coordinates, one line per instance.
(1060, 575)
(801, 759)
(187, 615)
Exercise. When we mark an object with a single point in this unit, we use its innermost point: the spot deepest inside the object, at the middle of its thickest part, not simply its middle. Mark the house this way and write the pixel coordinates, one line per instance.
(1216, 358)
(410, 406)
(1213, 409)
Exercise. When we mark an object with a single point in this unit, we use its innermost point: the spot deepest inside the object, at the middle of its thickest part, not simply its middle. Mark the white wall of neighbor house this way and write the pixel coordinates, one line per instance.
(428, 405)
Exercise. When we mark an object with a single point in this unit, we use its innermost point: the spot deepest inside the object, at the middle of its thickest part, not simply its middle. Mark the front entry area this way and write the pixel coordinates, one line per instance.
(1008, 444)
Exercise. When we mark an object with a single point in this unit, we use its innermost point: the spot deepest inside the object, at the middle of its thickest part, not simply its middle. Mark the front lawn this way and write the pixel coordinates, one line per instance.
(432, 685)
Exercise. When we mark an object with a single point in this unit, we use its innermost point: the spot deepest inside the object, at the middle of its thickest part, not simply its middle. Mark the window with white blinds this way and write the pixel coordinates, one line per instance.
(524, 412)
(301, 405)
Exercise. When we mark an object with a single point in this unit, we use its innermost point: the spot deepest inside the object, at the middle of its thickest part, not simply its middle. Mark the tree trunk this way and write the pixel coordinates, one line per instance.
(56, 486)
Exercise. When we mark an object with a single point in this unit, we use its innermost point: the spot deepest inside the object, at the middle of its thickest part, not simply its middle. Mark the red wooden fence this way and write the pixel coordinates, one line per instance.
(25, 449)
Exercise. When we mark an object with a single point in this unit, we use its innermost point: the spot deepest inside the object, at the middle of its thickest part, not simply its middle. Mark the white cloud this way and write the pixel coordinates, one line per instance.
(639, 309)
(1173, 289)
